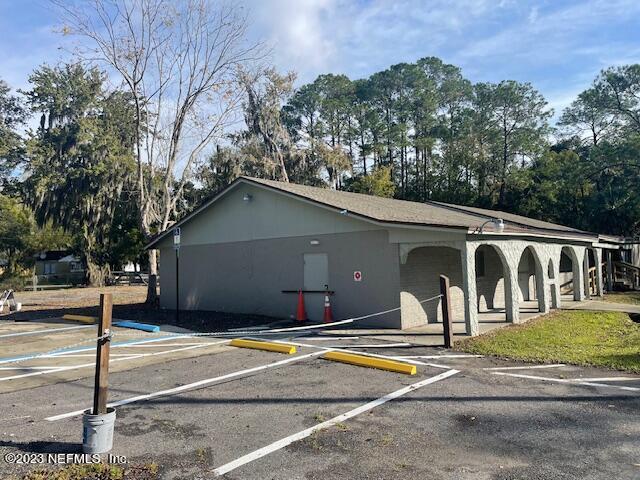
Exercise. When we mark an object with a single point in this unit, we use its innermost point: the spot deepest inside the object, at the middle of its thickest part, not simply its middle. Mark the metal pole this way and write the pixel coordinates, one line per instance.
(177, 286)
(102, 356)
(446, 311)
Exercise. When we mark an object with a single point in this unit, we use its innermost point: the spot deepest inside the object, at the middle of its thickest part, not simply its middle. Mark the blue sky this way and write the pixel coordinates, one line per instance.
(558, 46)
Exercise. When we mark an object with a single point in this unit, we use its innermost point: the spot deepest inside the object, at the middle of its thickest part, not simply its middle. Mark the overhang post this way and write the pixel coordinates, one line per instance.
(512, 299)
(468, 257)
(578, 275)
(585, 275)
(597, 258)
(542, 280)
(609, 271)
(554, 283)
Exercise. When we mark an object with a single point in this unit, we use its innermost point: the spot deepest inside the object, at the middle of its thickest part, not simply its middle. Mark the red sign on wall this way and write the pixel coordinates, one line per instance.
(357, 276)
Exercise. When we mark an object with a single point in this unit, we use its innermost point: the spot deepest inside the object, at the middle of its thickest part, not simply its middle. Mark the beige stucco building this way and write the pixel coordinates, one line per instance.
(249, 247)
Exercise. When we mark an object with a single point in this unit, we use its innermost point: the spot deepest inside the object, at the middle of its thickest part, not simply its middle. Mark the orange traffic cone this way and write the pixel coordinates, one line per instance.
(301, 314)
(328, 316)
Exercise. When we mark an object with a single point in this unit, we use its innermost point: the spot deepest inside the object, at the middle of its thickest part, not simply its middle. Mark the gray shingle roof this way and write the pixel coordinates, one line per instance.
(513, 218)
(430, 213)
(401, 212)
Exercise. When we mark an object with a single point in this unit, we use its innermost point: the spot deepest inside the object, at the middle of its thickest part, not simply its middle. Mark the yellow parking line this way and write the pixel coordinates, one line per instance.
(371, 362)
(80, 318)
(269, 346)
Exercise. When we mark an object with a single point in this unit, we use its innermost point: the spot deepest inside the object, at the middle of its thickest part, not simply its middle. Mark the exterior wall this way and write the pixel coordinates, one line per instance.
(248, 277)
(538, 260)
(63, 274)
(420, 280)
(269, 215)
(59, 267)
(635, 254)
(238, 256)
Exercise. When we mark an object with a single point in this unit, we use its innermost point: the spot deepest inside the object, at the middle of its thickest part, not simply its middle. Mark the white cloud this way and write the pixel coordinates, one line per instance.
(356, 37)
(558, 46)
(296, 31)
(554, 34)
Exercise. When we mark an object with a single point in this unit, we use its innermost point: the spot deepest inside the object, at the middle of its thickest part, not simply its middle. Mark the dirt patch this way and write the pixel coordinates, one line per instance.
(98, 471)
(164, 426)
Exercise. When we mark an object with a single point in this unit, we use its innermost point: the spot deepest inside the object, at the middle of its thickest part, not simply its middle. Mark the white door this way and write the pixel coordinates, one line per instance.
(316, 276)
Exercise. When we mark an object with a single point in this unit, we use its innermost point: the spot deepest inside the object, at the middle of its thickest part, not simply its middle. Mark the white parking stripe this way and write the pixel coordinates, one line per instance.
(131, 357)
(47, 330)
(264, 451)
(58, 369)
(330, 339)
(566, 381)
(368, 354)
(78, 355)
(48, 367)
(372, 345)
(605, 379)
(190, 386)
(441, 356)
(86, 349)
(525, 367)
(162, 345)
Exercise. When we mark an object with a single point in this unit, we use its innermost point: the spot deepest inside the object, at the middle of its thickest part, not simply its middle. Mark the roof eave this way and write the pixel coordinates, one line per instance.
(161, 235)
(579, 236)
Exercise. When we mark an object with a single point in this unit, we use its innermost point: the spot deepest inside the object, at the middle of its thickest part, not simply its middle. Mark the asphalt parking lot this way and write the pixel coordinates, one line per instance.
(52, 350)
(248, 414)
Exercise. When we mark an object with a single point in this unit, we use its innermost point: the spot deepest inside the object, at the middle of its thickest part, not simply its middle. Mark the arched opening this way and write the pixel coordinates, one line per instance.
(420, 280)
(569, 274)
(491, 272)
(551, 272)
(530, 283)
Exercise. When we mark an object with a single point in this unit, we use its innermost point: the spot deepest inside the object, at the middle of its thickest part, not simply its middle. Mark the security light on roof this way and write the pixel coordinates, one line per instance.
(498, 225)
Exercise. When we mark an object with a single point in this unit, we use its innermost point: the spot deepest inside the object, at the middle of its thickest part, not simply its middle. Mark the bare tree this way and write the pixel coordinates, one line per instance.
(179, 60)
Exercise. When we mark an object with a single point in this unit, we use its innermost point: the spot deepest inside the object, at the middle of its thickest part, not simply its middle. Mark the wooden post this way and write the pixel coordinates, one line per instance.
(102, 356)
(446, 311)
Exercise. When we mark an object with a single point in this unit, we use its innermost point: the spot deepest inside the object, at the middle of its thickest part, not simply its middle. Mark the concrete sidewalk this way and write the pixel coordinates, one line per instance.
(432, 334)
(599, 305)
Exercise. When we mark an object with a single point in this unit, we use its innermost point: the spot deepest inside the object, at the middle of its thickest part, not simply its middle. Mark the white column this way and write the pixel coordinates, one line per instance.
(597, 257)
(511, 292)
(585, 274)
(578, 276)
(468, 257)
(555, 285)
(542, 280)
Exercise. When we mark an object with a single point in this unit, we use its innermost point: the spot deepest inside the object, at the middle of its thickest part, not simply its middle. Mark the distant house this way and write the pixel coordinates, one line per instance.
(59, 267)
